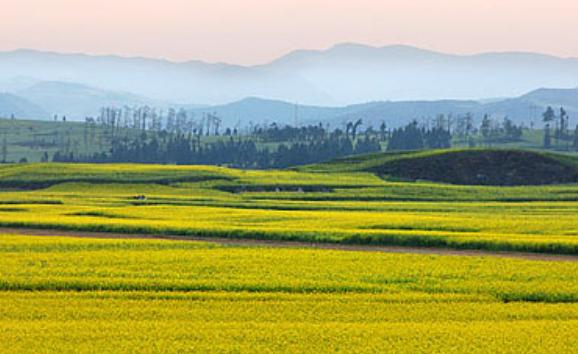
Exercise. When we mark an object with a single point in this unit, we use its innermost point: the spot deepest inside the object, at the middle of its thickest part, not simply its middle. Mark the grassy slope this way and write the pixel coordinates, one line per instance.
(370, 161)
(31, 138)
(483, 167)
(80, 295)
(464, 166)
(347, 207)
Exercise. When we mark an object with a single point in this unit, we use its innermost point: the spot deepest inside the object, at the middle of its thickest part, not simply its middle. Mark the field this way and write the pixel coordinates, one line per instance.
(84, 295)
(299, 205)
(70, 294)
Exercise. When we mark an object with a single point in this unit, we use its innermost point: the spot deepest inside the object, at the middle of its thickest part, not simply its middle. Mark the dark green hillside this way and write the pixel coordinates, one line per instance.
(493, 167)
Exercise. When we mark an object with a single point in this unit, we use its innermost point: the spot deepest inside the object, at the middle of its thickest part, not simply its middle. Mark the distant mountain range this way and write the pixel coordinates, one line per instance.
(43, 100)
(73, 100)
(344, 74)
(525, 109)
(400, 83)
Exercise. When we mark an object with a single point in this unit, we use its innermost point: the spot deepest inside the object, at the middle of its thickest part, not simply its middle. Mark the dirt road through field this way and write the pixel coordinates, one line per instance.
(290, 244)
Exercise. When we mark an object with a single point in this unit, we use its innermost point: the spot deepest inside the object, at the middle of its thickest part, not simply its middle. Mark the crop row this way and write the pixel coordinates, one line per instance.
(95, 295)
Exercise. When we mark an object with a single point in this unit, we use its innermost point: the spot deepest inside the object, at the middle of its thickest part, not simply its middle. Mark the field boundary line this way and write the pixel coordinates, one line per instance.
(291, 244)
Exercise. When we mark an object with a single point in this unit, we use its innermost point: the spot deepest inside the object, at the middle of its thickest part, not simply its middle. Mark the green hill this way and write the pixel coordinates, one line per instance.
(494, 167)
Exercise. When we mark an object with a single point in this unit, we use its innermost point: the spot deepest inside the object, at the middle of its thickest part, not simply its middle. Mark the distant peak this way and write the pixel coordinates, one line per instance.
(351, 45)
(391, 47)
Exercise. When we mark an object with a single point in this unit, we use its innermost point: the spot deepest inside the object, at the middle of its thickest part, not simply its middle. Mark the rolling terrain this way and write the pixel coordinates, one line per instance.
(31, 139)
(505, 167)
(360, 201)
(342, 256)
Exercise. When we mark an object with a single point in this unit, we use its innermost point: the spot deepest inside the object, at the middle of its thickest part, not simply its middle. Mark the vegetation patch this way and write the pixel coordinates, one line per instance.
(252, 188)
(101, 214)
(482, 167)
(12, 210)
(31, 202)
(423, 228)
(17, 184)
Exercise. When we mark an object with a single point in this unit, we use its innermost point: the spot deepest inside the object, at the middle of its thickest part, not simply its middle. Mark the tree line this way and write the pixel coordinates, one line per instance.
(177, 136)
(557, 132)
(234, 151)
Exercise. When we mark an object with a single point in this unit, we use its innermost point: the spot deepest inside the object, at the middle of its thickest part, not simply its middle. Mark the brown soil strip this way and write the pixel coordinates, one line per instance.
(290, 244)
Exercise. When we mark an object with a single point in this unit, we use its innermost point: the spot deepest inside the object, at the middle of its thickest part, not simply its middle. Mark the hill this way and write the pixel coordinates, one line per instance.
(77, 101)
(493, 167)
(529, 107)
(526, 109)
(186, 82)
(341, 75)
(13, 105)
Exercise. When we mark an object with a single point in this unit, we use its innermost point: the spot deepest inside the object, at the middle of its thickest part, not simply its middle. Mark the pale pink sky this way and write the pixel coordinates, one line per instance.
(256, 31)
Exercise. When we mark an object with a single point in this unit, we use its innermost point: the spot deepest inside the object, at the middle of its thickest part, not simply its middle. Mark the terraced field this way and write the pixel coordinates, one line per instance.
(63, 294)
(315, 204)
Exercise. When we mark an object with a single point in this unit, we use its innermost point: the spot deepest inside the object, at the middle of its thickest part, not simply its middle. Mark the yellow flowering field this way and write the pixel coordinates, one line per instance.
(336, 207)
(70, 295)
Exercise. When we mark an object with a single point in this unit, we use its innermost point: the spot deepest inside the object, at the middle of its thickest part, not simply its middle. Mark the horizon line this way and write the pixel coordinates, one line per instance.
(287, 54)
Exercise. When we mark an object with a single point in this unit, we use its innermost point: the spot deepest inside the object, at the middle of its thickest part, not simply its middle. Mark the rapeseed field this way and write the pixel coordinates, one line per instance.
(60, 295)
(353, 207)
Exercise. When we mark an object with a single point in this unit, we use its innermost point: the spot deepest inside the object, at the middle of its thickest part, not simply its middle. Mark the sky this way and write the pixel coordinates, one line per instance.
(250, 32)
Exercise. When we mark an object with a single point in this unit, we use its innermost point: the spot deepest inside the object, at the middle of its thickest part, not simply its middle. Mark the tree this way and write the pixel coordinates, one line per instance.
(548, 117)
(464, 127)
(486, 129)
(547, 137)
(563, 133)
(511, 131)
(382, 131)
(354, 128)
(576, 139)
(348, 128)
(409, 137)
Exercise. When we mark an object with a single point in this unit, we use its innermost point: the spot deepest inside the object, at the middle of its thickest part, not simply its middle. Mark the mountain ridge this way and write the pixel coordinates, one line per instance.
(336, 46)
(525, 109)
(343, 74)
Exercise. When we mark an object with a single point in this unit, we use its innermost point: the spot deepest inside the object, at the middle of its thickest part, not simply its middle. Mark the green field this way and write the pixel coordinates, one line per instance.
(65, 295)
(29, 139)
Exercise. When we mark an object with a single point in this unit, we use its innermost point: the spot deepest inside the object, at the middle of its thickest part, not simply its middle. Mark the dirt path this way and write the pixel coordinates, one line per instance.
(289, 244)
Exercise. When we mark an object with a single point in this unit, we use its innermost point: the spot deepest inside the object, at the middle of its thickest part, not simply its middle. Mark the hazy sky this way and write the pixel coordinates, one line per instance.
(256, 31)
